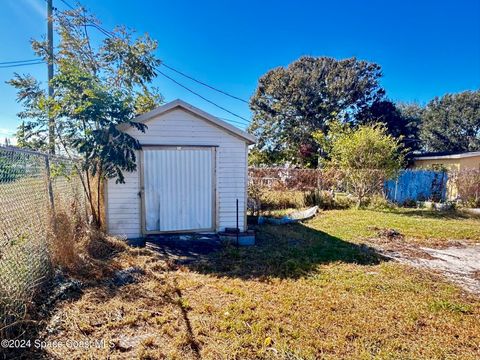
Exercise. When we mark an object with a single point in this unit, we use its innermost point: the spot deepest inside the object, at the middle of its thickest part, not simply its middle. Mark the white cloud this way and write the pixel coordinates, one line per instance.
(38, 7)
(7, 134)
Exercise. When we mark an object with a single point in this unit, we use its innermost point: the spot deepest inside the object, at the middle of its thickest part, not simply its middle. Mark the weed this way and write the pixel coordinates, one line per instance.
(445, 305)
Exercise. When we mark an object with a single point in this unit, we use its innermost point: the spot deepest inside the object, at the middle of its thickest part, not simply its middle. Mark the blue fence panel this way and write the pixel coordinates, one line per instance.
(417, 185)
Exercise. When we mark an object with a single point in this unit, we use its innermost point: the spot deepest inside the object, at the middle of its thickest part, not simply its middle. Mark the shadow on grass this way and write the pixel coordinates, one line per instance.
(285, 251)
(57, 288)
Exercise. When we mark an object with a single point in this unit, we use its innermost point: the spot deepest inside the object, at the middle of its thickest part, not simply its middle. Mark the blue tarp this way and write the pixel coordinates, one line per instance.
(417, 185)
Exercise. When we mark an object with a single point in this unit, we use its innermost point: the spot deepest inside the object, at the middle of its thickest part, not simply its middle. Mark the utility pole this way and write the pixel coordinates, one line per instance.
(51, 120)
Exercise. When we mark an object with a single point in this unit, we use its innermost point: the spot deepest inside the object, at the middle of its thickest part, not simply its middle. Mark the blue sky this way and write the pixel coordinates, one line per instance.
(425, 48)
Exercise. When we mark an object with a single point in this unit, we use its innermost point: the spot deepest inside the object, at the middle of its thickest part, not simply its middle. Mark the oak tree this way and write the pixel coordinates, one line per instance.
(291, 103)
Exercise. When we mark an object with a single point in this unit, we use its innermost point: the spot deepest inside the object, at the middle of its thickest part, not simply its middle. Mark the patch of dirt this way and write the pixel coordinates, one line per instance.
(476, 275)
(390, 234)
(392, 241)
(458, 261)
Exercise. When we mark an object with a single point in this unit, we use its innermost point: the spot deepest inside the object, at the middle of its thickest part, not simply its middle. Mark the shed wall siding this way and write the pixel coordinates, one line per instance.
(465, 163)
(123, 206)
(180, 127)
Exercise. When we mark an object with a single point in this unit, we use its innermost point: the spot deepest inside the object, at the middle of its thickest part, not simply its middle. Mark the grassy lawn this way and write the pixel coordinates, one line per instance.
(303, 292)
(417, 225)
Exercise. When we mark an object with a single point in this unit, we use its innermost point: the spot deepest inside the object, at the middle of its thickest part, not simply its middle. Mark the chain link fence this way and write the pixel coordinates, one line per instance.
(276, 188)
(272, 188)
(278, 178)
(33, 186)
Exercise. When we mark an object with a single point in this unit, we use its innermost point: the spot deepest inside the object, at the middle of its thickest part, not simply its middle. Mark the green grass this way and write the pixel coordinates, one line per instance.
(415, 224)
(304, 291)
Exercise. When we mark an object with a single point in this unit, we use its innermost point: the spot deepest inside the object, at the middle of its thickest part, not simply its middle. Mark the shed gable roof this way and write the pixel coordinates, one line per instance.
(250, 139)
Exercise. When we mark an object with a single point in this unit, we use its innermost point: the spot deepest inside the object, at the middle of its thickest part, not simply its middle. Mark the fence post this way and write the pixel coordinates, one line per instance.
(49, 186)
(396, 186)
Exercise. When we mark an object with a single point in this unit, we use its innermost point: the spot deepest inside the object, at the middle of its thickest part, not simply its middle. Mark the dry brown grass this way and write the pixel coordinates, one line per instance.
(75, 245)
(339, 309)
(63, 242)
(301, 293)
(273, 199)
(344, 311)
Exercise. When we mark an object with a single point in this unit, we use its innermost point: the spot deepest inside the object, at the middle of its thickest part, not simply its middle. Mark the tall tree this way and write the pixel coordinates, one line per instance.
(452, 123)
(95, 89)
(291, 103)
(402, 121)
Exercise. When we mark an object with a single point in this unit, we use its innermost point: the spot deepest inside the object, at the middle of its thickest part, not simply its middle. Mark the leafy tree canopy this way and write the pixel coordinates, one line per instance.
(367, 155)
(368, 147)
(452, 123)
(402, 121)
(291, 103)
(95, 89)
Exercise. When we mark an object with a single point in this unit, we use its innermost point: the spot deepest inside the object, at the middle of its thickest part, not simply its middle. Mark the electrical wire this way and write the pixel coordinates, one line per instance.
(110, 34)
(67, 4)
(96, 26)
(21, 64)
(202, 97)
(204, 84)
(17, 61)
(232, 121)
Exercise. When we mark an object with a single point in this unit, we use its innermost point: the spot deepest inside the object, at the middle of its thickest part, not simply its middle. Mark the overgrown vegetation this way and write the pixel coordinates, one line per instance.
(467, 184)
(294, 105)
(367, 156)
(45, 230)
(293, 102)
(304, 292)
(95, 89)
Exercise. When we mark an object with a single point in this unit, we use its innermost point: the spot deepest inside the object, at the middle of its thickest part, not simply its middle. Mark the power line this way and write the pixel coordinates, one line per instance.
(21, 64)
(9, 64)
(232, 121)
(66, 3)
(96, 26)
(204, 84)
(17, 61)
(110, 34)
(202, 97)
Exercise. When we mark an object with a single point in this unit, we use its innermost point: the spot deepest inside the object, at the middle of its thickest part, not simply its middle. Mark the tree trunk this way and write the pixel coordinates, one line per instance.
(99, 186)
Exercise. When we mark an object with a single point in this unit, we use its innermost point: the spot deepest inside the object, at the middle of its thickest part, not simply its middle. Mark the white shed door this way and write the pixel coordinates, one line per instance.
(178, 189)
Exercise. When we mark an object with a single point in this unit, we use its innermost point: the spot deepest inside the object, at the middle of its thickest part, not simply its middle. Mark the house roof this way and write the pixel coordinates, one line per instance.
(250, 139)
(446, 155)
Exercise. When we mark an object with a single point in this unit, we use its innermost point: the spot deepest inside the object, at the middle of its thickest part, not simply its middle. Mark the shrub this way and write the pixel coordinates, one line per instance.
(368, 156)
(323, 199)
(467, 183)
(63, 241)
(344, 201)
(73, 242)
(276, 200)
(380, 202)
(281, 200)
(328, 200)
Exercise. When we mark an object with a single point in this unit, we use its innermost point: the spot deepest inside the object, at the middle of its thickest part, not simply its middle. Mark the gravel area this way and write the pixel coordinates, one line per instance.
(459, 263)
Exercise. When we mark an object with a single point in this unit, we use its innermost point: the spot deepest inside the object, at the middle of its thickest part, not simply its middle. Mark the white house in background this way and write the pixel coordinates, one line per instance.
(190, 172)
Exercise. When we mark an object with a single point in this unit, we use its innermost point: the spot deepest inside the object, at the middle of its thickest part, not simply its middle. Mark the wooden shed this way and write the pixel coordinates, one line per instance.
(191, 171)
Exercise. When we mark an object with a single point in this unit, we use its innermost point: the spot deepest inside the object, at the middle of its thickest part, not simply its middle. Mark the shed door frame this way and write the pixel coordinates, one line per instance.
(213, 149)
